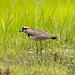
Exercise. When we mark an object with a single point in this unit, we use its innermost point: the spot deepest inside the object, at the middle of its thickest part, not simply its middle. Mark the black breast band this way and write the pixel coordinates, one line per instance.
(28, 35)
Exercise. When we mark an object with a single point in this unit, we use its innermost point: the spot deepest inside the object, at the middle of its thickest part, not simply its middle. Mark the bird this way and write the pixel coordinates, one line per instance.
(37, 35)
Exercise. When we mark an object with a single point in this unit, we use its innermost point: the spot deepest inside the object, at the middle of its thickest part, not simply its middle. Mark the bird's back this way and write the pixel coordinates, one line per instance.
(42, 35)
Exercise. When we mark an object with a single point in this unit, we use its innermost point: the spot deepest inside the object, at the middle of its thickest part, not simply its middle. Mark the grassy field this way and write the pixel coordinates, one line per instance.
(18, 52)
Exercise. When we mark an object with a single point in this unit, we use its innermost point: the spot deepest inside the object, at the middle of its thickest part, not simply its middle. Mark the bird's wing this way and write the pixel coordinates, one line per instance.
(43, 35)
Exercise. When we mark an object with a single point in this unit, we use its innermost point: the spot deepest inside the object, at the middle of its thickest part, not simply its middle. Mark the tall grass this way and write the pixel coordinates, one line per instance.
(17, 51)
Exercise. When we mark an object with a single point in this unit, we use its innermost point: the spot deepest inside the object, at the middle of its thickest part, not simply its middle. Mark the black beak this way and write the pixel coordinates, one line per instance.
(20, 31)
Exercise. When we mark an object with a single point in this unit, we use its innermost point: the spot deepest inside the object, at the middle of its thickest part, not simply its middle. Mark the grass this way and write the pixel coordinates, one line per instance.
(18, 52)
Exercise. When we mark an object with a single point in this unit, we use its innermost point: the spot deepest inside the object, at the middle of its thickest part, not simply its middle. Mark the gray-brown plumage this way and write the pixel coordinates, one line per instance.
(37, 35)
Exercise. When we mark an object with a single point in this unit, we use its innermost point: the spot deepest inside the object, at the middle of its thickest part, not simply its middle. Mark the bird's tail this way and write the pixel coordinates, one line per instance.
(54, 37)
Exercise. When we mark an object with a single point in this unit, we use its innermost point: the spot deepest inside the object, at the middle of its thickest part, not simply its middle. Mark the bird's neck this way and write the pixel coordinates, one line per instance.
(27, 32)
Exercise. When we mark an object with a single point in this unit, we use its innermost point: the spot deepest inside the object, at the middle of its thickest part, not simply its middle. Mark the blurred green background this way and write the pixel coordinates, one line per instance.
(18, 52)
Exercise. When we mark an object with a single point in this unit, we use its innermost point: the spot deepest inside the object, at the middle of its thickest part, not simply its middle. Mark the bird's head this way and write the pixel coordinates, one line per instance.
(25, 30)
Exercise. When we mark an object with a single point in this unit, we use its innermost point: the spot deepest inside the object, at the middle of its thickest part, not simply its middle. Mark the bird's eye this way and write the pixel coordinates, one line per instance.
(23, 28)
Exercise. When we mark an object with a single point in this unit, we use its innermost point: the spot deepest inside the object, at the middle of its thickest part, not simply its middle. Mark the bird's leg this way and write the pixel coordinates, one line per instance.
(37, 46)
(41, 46)
(41, 50)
